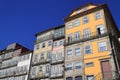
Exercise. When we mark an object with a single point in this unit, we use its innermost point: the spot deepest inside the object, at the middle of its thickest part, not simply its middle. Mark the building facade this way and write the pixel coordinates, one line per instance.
(91, 50)
(15, 62)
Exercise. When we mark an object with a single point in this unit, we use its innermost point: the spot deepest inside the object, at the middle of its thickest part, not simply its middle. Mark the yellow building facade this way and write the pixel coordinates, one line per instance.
(88, 26)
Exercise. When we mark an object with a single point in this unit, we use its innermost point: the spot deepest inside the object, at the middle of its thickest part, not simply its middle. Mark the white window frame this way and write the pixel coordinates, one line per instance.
(69, 25)
(90, 49)
(85, 19)
(98, 15)
(102, 44)
(76, 22)
(78, 52)
(78, 64)
(69, 53)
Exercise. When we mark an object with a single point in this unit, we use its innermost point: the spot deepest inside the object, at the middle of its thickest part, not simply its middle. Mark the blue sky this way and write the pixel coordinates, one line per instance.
(21, 19)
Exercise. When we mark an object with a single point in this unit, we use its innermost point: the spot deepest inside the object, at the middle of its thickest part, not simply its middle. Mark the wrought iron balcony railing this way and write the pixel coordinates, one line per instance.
(86, 37)
(48, 37)
(56, 61)
(56, 74)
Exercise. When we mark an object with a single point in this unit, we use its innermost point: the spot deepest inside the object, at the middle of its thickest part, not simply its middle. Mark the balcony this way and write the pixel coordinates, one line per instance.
(57, 61)
(43, 75)
(59, 37)
(57, 75)
(41, 61)
(48, 37)
(87, 37)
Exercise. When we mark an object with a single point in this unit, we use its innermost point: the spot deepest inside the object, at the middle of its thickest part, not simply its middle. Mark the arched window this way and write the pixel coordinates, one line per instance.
(69, 78)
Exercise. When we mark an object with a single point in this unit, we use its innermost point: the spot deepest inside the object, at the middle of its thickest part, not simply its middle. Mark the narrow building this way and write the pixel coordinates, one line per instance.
(15, 62)
(92, 48)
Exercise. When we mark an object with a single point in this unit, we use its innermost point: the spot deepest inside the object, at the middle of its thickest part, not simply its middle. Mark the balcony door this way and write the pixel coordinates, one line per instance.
(100, 29)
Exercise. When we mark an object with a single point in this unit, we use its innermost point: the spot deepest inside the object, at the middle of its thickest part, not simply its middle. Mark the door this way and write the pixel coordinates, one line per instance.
(100, 29)
(106, 69)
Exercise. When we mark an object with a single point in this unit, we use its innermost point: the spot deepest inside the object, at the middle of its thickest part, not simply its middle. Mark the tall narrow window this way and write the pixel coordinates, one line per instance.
(42, 56)
(102, 46)
(53, 57)
(85, 19)
(47, 68)
(43, 45)
(77, 22)
(49, 43)
(88, 49)
(69, 24)
(33, 72)
(61, 43)
(98, 15)
(35, 57)
(59, 55)
(37, 46)
(100, 29)
(69, 53)
(48, 55)
(40, 69)
(86, 33)
(77, 36)
(55, 44)
(77, 51)
(69, 38)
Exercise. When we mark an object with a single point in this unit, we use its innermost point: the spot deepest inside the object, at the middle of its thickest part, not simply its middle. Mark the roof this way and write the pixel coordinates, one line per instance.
(42, 32)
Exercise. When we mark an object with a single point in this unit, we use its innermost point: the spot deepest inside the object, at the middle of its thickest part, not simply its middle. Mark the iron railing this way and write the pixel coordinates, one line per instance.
(48, 37)
(86, 37)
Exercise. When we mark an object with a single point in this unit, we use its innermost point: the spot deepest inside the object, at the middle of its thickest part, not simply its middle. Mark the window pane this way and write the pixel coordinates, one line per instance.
(69, 25)
(102, 46)
(69, 66)
(78, 78)
(77, 22)
(89, 64)
(69, 78)
(85, 19)
(77, 51)
(88, 49)
(90, 77)
(49, 43)
(86, 33)
(98, 15)
(78, 65)
(69, 53)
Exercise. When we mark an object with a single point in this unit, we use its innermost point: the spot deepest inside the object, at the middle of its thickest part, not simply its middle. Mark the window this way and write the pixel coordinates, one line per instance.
(86, 33)
(42, 56)
(48, 55)
(37, 46)
(69, 66)
(33, 72)
(61, 43)
(47, 68)
(89, 64)
(100, 29)
(55, 44)
(69, 24)
(85, 19)
(78, 65)
(43, 45)
(69, 78)
(40, 69)
(77, 22)
(77, 36)
(69, 38)
(53, 57)
(88, 49)
(90, 77)
(102, 46)
(98, 15)
(69, 53)
(59, 55)
(49, 43)
(77, 51)
(78, 78)
(35, 57)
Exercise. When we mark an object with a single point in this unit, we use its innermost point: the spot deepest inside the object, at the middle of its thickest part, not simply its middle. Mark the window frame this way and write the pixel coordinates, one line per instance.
(85, 19)
(102, 46)
(90, 49)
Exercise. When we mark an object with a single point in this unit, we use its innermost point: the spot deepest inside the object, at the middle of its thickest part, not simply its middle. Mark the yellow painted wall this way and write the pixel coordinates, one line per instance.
(94, 43)
(91, 24)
